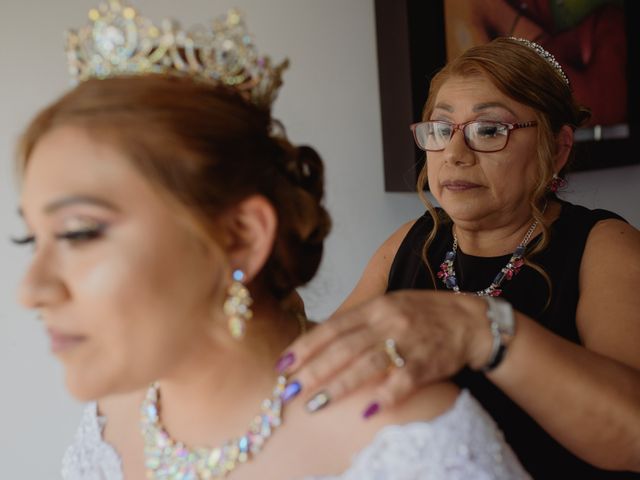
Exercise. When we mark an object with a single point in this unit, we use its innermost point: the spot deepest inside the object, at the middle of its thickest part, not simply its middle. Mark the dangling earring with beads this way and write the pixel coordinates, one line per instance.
(557, 183)
(236, 306)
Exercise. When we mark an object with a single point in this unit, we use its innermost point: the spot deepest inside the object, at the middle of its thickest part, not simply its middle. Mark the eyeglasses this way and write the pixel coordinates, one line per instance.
(479, 135)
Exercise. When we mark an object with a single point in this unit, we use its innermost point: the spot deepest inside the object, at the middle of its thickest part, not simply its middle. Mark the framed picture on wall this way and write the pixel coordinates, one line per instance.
(597, 42)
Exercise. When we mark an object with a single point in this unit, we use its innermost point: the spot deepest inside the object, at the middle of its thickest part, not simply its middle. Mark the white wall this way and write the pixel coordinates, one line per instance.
(330, 100)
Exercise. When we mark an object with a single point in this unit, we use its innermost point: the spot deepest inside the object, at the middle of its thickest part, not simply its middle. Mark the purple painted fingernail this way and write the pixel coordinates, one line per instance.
(285, 362)
(371, 410)
(291, 390)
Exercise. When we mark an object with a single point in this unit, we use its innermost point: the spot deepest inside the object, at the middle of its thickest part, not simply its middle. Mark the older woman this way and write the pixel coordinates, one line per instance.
(559, 371)
(171, 224)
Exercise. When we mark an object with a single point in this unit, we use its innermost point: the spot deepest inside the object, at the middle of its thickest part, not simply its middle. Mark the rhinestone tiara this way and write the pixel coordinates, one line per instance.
(550, 59)
(118, 41)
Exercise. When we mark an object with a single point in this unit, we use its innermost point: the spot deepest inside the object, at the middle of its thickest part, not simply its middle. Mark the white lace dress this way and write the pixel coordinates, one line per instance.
(463, 443)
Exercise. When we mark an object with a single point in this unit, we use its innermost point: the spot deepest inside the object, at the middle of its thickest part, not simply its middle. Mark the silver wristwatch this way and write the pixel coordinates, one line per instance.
(503, 327)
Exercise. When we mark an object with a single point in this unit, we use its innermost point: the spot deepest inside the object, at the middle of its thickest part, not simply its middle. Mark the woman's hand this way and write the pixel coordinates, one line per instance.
(436, 333)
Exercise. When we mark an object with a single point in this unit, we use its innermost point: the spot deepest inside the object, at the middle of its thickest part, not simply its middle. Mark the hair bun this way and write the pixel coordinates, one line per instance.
(310, 171)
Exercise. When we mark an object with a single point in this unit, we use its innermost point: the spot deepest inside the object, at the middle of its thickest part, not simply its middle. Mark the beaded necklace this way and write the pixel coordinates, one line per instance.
(448, 274)
(168, 459)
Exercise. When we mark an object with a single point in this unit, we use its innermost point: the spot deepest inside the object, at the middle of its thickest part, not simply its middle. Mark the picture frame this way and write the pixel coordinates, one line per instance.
(411, 49)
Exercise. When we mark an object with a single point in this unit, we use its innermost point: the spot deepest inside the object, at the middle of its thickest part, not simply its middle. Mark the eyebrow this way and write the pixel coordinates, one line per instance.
(477, 108)
(64, 202)
(485, 106)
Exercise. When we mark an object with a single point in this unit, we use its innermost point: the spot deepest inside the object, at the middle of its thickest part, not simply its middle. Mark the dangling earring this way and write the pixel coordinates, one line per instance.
(557, 183)
(236, 306)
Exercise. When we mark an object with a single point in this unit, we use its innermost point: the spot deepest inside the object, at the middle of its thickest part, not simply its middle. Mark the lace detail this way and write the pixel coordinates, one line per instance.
(463, 443)
(89, 457)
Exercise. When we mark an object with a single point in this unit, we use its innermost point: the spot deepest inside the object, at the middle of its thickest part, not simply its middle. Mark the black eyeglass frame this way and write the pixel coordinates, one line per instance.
(461, 126)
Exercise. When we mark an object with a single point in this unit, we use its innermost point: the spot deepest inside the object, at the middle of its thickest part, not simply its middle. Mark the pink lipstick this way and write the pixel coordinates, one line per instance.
(61, 342)
(459, 185)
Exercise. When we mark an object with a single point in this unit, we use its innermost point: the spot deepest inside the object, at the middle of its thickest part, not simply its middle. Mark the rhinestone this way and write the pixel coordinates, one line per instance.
(167, 459)
(238, 275)
(107, 38)
(448, 275)
(243, 444)
(237, 327)
(152, 413)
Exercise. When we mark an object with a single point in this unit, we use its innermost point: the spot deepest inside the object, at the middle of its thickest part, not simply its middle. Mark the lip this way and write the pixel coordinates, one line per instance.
(458, 185)
(63, 342)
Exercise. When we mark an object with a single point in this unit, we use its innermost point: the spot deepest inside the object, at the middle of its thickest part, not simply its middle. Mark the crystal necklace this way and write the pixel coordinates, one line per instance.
(168, 459)
(448, 274)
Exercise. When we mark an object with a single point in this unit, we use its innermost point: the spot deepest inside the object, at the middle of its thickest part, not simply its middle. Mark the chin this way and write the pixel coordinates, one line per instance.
(83, 391)
(90, 386)
(467, 212)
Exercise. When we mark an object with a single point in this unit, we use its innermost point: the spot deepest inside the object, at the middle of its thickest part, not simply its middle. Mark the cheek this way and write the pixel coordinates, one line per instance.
(122, 275)
(142, 316)
(509, 182)
(144, 295)
(433, 166)
(106, 283)
(141, 295)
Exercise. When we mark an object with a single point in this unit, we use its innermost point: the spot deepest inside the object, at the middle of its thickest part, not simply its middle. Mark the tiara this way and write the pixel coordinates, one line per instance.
(118, 41)
(550, 59)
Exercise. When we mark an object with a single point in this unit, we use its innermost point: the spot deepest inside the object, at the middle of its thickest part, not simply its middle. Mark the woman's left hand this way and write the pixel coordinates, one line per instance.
(436, 333)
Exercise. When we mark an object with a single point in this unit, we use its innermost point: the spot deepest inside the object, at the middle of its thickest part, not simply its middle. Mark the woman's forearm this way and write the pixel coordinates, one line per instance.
(587, 402)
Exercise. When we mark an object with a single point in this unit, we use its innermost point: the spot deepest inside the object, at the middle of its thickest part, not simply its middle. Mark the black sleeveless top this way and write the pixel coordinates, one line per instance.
(528, 292)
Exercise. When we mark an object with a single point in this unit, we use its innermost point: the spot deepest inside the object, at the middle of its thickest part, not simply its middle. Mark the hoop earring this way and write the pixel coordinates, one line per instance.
(557, 183)
(236, 306)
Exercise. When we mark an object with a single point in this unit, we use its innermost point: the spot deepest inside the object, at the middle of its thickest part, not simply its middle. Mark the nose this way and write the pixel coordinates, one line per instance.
(41, 286)
(457, 152)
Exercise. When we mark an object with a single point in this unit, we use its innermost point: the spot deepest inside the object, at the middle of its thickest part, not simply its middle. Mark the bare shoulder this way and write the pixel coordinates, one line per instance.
(347, 415)
(383, 257)
(373, 281)
(607, 313)
(610, 240)
(424, 405)
(392, 243)
(334, 435)
(613, 230)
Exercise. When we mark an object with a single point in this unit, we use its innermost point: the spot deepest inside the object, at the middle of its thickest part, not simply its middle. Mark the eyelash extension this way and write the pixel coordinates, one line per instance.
(72, 236)
(28, 240)
(81, 235)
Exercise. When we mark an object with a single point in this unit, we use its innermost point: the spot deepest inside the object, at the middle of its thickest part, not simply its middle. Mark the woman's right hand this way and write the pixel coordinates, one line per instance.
(436, 333)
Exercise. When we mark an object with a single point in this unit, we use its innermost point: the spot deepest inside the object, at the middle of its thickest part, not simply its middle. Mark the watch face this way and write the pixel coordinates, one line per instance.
(504, 318)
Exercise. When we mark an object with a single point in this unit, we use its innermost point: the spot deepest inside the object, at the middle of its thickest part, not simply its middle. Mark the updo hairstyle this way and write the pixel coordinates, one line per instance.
(208, 148)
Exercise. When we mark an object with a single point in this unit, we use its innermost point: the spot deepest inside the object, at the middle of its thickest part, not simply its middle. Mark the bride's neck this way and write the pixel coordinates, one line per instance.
(218, 390)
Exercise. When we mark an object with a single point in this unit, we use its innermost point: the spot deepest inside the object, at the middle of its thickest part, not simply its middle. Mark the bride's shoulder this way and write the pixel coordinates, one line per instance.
(440, 431)
(421, 408)
(424, 405)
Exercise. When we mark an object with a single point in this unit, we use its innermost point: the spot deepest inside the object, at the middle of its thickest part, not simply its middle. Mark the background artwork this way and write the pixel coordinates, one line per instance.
(587, 37)
(596, 41)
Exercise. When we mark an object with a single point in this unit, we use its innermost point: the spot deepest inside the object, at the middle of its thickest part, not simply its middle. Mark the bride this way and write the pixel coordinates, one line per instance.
(171, 222)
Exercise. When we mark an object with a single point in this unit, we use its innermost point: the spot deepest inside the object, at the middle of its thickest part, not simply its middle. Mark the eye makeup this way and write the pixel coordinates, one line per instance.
(80, 229)
(76, 230)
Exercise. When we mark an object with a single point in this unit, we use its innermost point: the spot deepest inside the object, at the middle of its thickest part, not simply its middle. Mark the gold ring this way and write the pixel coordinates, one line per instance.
(390, 349)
